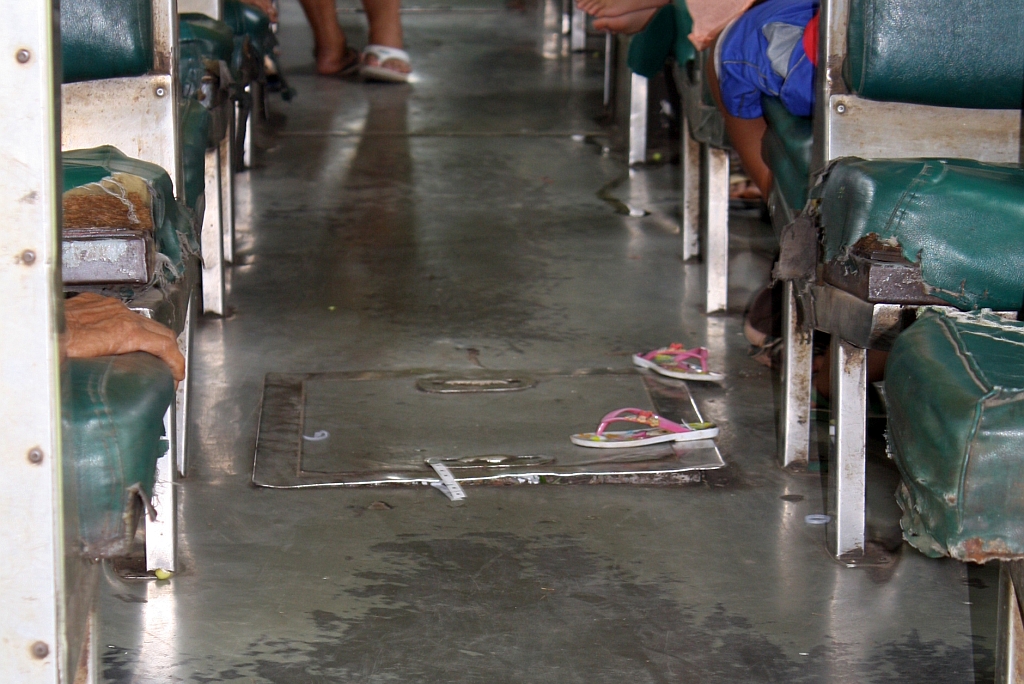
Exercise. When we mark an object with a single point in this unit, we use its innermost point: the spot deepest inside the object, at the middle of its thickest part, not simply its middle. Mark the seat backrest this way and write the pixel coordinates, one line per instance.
(953, 53)
(105, 38)
(919, 78)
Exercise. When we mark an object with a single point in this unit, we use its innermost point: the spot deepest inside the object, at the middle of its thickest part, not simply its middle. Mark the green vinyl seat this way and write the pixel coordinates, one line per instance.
(959, 220)
(113, 420)
(216, 37)
(955, 394)
(172, 226)
(194, 123)
(955, 53)
(249, 22)
(105, 39)
(786, 149)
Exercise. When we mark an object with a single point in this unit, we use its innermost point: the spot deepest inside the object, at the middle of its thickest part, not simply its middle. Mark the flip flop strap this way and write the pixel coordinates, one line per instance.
(679, 354)
(384, 53)
(636, 415)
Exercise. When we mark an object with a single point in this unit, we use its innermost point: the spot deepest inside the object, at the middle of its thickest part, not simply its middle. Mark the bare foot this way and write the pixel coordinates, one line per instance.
(617, 8)
(628, 24)
(104, 326)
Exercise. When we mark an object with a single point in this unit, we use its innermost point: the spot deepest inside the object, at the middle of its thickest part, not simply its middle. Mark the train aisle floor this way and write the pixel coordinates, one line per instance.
(457, 223)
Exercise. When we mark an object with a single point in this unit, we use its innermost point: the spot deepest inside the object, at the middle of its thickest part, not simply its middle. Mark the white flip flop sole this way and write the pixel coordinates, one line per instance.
(379, 73)
(710, 376)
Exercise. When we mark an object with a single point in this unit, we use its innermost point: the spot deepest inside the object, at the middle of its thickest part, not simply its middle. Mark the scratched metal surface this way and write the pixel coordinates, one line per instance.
(385, 252)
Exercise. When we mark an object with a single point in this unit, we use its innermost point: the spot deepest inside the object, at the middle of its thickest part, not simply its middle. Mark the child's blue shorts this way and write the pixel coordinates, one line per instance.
(762, 53)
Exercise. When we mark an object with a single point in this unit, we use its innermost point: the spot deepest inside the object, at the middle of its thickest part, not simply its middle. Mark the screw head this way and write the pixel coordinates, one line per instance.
(35, 455)
(22, 56)
(28, 257)
(160, 91)
(40, 650)
(841, 109)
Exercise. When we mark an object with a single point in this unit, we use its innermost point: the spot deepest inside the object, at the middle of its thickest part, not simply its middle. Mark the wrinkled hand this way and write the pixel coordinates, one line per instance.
(103, 326)
(266, 6)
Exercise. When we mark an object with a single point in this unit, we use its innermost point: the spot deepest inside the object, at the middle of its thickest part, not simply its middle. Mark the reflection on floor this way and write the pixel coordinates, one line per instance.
(455, 224)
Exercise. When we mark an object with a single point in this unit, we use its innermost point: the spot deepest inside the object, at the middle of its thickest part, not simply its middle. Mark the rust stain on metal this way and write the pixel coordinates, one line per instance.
(977, 550)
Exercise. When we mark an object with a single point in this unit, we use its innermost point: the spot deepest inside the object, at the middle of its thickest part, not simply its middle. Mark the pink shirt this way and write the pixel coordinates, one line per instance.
(711, 16)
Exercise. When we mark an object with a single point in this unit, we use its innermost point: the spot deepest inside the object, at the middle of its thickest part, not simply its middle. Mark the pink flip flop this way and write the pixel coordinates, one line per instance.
(675, 361)
(659, 430)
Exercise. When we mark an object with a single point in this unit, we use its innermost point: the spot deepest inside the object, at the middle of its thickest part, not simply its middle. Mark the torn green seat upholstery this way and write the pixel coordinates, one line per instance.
(955, 393)
(953, 53)
(108, 167)
(786, 149)
(962, 221)
(105, 38)
(114, 433)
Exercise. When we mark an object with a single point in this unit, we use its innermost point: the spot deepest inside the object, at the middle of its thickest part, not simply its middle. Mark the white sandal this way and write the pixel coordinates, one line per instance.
(379, 72)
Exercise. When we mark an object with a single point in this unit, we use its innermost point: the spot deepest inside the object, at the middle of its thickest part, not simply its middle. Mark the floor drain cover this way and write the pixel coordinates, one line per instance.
(345, 429)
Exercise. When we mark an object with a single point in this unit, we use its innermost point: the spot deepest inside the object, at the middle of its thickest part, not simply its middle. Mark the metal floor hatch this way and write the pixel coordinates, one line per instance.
(373, 428)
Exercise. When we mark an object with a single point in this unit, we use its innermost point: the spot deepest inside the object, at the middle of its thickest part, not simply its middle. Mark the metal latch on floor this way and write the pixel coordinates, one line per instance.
(462, 385)
(448, 486)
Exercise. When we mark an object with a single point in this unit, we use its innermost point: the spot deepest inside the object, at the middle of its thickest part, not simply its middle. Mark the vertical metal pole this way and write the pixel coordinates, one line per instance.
(691, 192)
(161, 534)
(637, 119)
(227, 188)
(846, 467)
(609, 67)
(716, 248)
(797, 358)
(181, 395)
(33, 640)
(212, 240)
(578, 36)
(1010, 628)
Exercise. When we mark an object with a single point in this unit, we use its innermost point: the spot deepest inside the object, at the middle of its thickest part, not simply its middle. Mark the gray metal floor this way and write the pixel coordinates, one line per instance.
(478, 239)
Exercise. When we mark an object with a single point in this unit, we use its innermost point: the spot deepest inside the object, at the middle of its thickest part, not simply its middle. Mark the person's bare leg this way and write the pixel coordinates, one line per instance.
(328, 38)
(616, 8)
(385, 21)
(627, 24)
(744, 134)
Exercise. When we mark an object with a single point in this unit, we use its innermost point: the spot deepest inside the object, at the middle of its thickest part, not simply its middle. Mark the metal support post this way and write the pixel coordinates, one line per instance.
(161, 534)
(181, 395)
(846, 467)
(609, 67)
(797, 358)
(637, 119)
(43, 623)
(691, 192)
(227, 187)
(212, 239)
(1010, 628)
(716, 247)
(578, 36)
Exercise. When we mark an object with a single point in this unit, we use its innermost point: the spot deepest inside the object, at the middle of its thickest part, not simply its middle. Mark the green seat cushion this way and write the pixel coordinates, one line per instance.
(172, 227)
(246, 20)
(962, 220)
(684, 50)
(649, 49)
(113, 424)
(194, 121)
(105, 38)
(787, 151)
(954, 384)
(952, 53)
(216, 38)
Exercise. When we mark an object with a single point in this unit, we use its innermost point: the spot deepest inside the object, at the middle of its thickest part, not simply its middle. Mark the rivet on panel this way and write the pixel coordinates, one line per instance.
(28, 257)
(40, 650)
(840, 109)
(35, 455)
(160, 91)
(23, 56)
